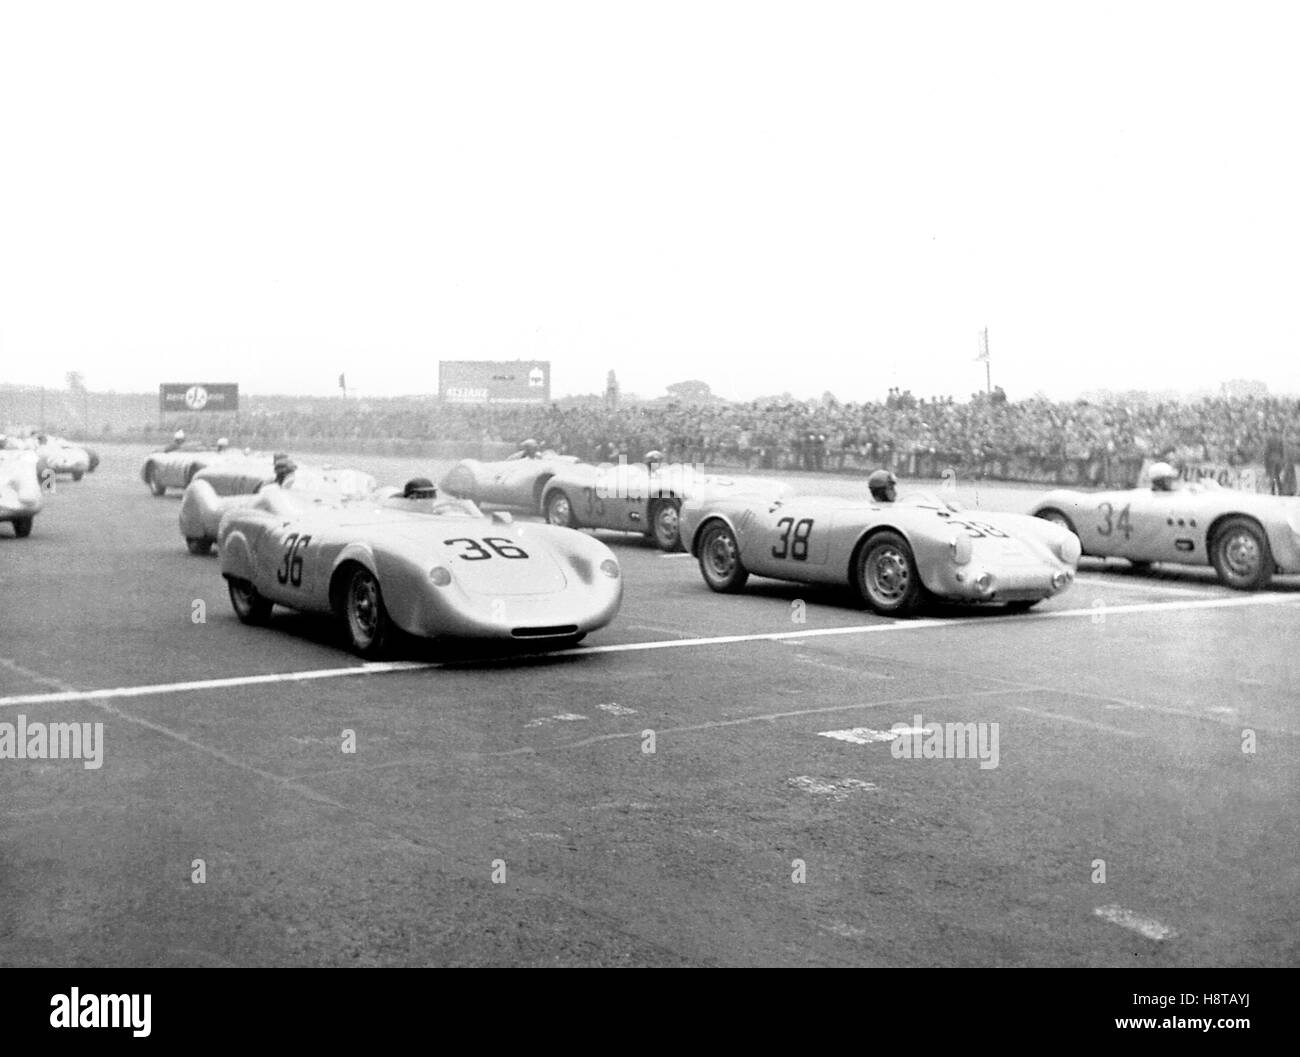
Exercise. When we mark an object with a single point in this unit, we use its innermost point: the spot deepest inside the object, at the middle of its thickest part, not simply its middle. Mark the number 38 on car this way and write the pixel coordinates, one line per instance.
(425, 567)
(895, 555)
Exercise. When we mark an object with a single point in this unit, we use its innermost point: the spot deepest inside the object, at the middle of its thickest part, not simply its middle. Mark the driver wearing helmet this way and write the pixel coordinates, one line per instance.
(178, 438)
(653, 459)
(284, 469)
(222, 444)
(419, 488)
(884, 486)
(529, 449)
(1163, 477)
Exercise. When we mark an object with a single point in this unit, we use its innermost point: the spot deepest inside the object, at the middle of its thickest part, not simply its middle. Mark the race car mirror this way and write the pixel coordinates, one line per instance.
(503, 517)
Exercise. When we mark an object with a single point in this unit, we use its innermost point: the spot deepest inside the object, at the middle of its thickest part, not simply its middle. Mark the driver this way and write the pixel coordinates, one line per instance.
(529, 449)
(884, 486)
(284, 469)
(178, 438)
(419, 488)
(653, 459)
(1163, 477)
(222, 444)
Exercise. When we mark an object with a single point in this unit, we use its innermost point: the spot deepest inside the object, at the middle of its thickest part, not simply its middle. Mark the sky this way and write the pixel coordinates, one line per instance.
(768, 197)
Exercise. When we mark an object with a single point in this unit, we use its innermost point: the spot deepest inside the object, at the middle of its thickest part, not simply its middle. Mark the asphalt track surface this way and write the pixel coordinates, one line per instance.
(505, 811)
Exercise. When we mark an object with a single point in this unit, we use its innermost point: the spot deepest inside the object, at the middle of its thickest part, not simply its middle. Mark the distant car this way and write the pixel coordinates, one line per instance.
(20, 489)
(514, 482)
(643, 497)
(61, 456)
(430, 568)
(234, 483)
(1247, 537)
(895, 555)
(175, 469)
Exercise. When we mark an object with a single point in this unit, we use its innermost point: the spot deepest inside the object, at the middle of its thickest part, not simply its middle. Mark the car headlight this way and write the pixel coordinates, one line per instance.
(1069, 549)
(610, 568)
(440, 576)
(983, 582)
(961, 548)
(1062, 579)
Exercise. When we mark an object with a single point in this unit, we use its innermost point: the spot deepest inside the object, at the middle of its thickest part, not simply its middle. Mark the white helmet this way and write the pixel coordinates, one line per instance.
(222, 444)
(178, 435)
(1162, 475)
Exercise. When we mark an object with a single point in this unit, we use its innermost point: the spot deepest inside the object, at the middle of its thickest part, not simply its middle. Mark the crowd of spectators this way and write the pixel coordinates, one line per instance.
(826, 434)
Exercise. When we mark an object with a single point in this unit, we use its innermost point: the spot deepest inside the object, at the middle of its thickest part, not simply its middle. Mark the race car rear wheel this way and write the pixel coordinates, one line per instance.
(250, 607)
(155, 486)
(720, 563)
(1056, 517)
(369, 627)
(1241, 555)
(887, 576)
(559, 511)
(22, 527)
(199, 544)
(664, 526)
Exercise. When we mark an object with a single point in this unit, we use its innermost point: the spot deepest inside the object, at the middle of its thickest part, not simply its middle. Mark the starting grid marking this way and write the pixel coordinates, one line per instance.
(384, 667)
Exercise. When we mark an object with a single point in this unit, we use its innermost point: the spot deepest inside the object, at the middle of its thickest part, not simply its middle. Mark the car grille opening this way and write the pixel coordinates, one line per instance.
(553, 631)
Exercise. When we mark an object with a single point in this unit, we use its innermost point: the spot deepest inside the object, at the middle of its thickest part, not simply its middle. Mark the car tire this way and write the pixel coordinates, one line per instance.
(665, 524)
(22, 527)
(77, 475)
(559, 510)
(199, 544)
(151, 478)
(1241, 555)
(370, 630)
(720, 563)
(1056, 517)
(249, 606)
(887, 578)
(1022, 606)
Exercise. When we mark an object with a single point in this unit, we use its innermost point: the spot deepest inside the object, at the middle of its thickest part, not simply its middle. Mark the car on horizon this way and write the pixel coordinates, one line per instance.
(1246, 536)
(895, 555)
(428, 568)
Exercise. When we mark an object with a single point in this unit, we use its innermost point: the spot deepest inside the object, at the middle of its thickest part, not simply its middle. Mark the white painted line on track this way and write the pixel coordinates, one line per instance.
(1128, 585)
(1148, 927)
(1091, 724)
(927, 624)
(678, 554)
(860, 735)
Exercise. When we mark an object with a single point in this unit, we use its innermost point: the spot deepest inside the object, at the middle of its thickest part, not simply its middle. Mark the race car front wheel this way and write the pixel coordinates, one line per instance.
(559, 511)
(250, 607)
(22, 527)
(155, 486)
(199, 544)
(1057, 518)
(664, 529)
(720, 562)
(1241, 555)
(887, 576)
(369, 627)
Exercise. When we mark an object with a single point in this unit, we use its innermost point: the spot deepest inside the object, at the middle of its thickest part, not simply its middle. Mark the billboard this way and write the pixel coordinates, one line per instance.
(494, 381)
(198, 396)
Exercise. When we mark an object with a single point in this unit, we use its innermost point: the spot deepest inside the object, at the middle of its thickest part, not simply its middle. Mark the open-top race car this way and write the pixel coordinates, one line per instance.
(20, 489)
(234, 483)
(1247, 537)
(175, 468)
(426, 567)
(61, 456)
(514, 482)
(643, 497)
(896, 555)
